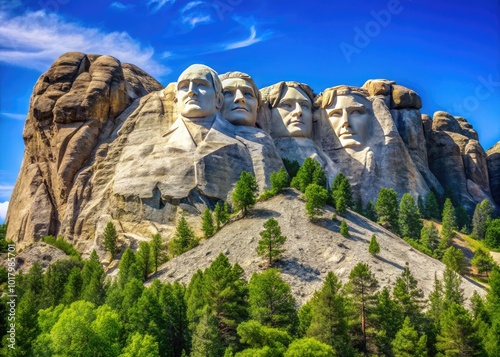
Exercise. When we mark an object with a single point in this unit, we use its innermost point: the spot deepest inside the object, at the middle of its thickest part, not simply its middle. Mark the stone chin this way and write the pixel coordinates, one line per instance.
(243, 118)
(351, 143)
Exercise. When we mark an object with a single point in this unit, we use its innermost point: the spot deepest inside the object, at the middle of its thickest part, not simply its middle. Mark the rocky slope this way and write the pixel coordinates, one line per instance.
(493, 160)
(312, 249)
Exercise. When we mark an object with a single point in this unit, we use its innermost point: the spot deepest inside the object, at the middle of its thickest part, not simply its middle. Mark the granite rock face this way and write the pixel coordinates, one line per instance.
(493, 160)
(457, 159)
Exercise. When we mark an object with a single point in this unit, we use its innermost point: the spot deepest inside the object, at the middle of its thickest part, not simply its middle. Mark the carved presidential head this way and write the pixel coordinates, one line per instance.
(241, 98)
(349, 113)
(291, 105)
(198, 92)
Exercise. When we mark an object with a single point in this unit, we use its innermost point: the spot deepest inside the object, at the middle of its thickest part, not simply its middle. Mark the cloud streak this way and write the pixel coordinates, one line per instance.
(35, 39)
(3, 210)
(120, 6)
(156, 5)
(252, 39)
(21, 117)
(6, 190)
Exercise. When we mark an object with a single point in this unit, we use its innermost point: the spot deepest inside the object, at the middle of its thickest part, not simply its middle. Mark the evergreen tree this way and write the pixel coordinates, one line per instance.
(388, 319)
(110, 238)
(358, 205)
(407, 343)
(362, 285)
(310, 172)
(448, 221)
(141, 345)
(370, 211)
(93, 276)
(279, 181)
(271, 302)
(421, 207)
(73, 287)
(454, 259)
(483, 261)
(329, 316)
(271, 243)
(128, 268)
(341, 188)
(492, 238)
(157, 248)
(374, 247)
(387, 208)
(309, 347)
(341, 205)
(225, 212)
(225, 292)
(409, 217)
(244, 194)
(174, 306)
(208, 224)
(195, 300)
(143, 258)
(436, 303)
(292, 167)
(316, 197)
(429, 236)
(452, 292)
(482, 214)
(493, 296)
(184, 238)
(56, 277)
(344, 230)
(218, 216)
(263, 340)
(431, 207)
(462, 219)
(207, 341)
(409, 296)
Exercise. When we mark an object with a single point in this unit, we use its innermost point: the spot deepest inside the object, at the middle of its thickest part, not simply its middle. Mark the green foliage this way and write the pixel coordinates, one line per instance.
(429, 237)
(482, 214)
(271, 243)
(341, 193)
(462, 219)
(409, 296)
(56, 277)
(358, 205)
(207, 341)
(244, 194)
(184, 238)
(370, 211)
(492, 238)
(271, 302)
(3, 236)
(448, 220)
(309, 173)
(431, 207)
(410, 224)
(309, 347)
(128, 268)
(374, 247)
(93, 280)
(407, 343)
(344, 230)
(144, 261)
(292, 167)
(388, 319)
(452, 292)
(483, 261)
(208, 224)
(73, 287)
(221, 214)
(62, 244)
(157, 250)
(316, 197)
(387, 208)
(262, 340)
(172, 301)
(141, 345)
(279, 181)
(454, 259)
(110, 238)
(329, 316)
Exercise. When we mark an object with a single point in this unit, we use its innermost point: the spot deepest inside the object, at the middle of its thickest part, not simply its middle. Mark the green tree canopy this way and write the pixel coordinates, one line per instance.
(208, 223)
(448, 221)
(482, 214)
(110, 238)
(184, 238)
(374, 247)
(344, 230)
(409, 218)
(431, 207)
(309, 347)
(388, 209)
(310, 172)
(245, 192)
(492, 238)
(316, 197)
(407, 342)
(271, 242)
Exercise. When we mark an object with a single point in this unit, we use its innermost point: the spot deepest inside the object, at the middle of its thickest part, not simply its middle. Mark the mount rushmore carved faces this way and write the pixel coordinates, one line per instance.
(241, 98)
(349, 113)
(291, 106)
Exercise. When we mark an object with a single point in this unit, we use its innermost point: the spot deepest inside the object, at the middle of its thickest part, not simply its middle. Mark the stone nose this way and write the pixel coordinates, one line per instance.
(297, 111)
(239, 97)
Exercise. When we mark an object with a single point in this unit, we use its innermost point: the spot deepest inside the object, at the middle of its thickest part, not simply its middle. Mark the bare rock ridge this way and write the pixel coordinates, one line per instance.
(96, 151)
(312, 250)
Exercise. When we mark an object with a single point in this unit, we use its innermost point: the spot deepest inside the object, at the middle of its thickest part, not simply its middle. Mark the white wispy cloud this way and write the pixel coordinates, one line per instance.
(196, 19)
(36, 39)
(6, 190)
(14, 116)
(156, 5)
(252, 39)
(3, 210)
(190, 5)
(120, 6)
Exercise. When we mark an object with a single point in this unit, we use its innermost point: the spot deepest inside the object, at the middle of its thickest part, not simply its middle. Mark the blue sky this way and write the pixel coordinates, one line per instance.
(448, 51)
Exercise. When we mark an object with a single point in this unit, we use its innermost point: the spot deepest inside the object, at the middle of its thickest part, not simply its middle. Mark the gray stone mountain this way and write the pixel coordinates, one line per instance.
(99, 136)
(493, 160)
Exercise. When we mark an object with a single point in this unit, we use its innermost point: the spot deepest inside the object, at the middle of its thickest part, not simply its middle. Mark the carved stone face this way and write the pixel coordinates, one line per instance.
(196, 96)
(293, 114)
(240, 102)
(350, 119)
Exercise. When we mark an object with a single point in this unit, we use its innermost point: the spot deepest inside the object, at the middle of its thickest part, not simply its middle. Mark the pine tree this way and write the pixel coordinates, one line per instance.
(374, 247)
(340, 205)
(462, 219)
(244, 194)
(157, 249)
(208, 224)
(362, 285)
(218, 216)
(387, 208)
(482, 214)
(128, 269)
(454, 259)
(492, 237)
(174, 306)
(407, 343)
(429, 236)
(292, 167)
(143, 258)
(310, 172)
(279, 181)
(110, 238)
(483, 261)
(225, 212)
(93, 280)
(184, 238)
(73, 287)
(409, 296)
(388, 319)
(409, 218)
(271, 243)
(271, 302)
(448, 221)
(316, 197)
(431, 206)
(370, 211)
(329, 316)
(344, 230)
(195, 300)
(452, 292)
(421, 207)
(341, 189)
(207, 340)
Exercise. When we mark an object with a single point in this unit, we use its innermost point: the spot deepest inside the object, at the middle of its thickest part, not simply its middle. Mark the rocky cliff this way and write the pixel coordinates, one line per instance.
(493, 160)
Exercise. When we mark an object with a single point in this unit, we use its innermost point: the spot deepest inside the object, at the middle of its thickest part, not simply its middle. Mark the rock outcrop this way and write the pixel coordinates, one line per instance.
(457, 159)
(493, 159)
